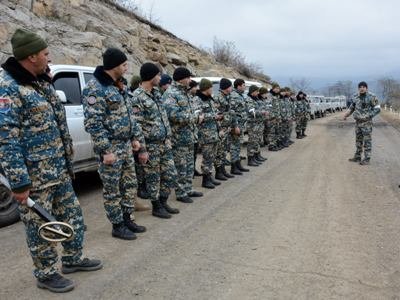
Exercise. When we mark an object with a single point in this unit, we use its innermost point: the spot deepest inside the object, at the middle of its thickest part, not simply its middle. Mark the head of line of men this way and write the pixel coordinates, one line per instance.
(31, 51)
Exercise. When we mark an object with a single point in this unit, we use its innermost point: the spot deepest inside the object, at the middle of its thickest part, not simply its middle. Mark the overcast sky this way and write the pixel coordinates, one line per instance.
(329, 39)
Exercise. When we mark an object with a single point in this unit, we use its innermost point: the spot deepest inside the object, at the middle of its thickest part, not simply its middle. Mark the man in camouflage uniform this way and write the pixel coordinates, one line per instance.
(364, 107)
(36, 157)
(160, 173)
(285, 117)
(275, 119)
(239, 109)
(192, 90)
(222, 104)
(255, 126)
(302, 110)
(292, 113)
(141, 189)
(208, 131)
(115, 134)
(183, 120)
(265, 103)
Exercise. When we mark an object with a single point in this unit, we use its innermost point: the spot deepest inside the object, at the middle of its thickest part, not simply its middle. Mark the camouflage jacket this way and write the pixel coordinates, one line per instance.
(302, 108)
(239, 108)
(35, 144)
(208, 129)
(181, 115)
(255, 110)
(364, 108)
(275, 107)
(222, 103)
(285, 108)
(266, 103)
(150, 113)
(108, 114)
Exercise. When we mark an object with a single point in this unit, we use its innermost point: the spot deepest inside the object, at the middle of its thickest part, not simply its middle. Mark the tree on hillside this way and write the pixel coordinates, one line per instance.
(225, 52)
(389, 90)
(300, 84)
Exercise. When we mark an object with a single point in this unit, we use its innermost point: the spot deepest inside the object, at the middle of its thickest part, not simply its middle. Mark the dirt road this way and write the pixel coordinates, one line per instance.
(308, 224)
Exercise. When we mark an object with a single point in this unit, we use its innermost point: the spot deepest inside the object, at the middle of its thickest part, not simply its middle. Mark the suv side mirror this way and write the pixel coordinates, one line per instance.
(62, 96)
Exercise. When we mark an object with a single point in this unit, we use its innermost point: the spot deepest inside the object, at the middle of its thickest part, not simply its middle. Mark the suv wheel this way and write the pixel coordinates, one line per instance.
(9, 213)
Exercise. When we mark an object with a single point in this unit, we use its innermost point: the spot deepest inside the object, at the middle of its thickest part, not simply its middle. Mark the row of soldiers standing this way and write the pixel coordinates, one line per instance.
(161, 121)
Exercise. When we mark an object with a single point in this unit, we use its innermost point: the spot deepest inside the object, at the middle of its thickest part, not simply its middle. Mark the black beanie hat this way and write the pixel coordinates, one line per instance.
(112, 58)
(165, 79)
(238, 82)
(224, 83)
(192, 84)
(181, 73)
(148, 71)
(363, 83)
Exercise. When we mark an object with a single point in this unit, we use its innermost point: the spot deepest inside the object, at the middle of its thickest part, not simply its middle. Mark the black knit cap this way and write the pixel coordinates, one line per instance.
(165, 79)
(363, 83)
(224, 83)
(112, 58)
(193, 84)
(181, 73)
(238, 82)
(148, 71)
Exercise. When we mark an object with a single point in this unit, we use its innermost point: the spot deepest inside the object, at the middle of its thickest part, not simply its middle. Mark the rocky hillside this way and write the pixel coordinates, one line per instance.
(78, 31)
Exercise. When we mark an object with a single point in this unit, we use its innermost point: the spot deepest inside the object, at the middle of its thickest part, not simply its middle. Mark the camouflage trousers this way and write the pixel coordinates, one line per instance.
(223, 147)
(235, 145)
(267, 131)
(119, 184)
(139, 170)
(285, 130)
(274, 133)
(255, 132)
(301, 123)
(208, 151)
(184, 164)
(59, 200)
(363, 139)
(160, 170)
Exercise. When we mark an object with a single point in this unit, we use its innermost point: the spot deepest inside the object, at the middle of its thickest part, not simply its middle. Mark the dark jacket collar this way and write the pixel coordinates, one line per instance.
(20, 74)
(252, 97)
(202, 96)
(102, 76)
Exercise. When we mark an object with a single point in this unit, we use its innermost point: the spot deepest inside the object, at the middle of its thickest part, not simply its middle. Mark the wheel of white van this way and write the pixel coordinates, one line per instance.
(8, 207)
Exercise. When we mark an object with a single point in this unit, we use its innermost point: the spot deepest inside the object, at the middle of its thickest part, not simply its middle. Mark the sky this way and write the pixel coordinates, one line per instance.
(321, 40)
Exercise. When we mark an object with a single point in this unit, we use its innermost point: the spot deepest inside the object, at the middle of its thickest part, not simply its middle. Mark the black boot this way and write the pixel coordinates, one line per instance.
(226, 174)
(272, 148)
(184, 199)
(214, 182)
(235, 170)
(219, 174)
(240, 167)
(298, 135)
(251, 162)
(303, 133)
(132, 225)
(159, 210)
(207, 183)
(142, 191)
(122, 232)
(196, 173)
(85, 265)
(260, 157)
(56, 283)
(169, 209)
(195, 194)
